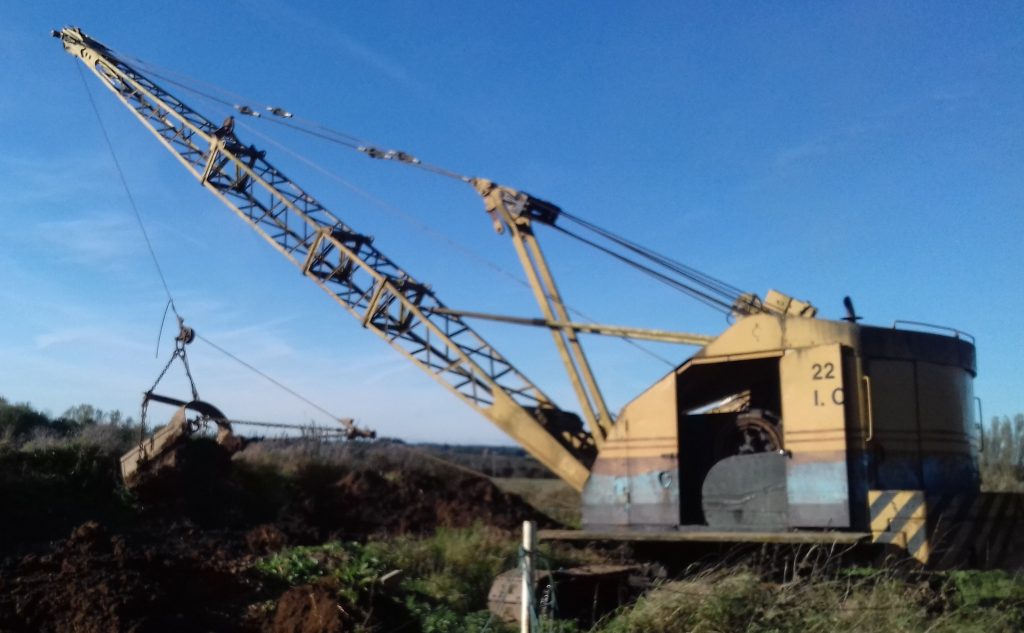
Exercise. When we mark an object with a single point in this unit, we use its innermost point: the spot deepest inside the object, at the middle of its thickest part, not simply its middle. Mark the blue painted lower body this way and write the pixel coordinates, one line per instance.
(651, 500)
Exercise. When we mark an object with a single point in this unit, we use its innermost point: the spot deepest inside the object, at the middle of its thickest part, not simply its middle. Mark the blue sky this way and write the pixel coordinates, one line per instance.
(873, 149)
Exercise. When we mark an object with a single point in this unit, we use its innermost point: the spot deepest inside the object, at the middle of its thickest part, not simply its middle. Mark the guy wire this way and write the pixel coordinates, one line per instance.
(128, 192)
(156, 262)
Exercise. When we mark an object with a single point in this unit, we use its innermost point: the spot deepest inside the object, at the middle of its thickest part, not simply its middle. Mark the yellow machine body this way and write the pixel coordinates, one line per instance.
(789, 423)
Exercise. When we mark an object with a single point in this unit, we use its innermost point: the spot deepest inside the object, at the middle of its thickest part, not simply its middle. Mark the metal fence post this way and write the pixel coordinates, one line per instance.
(529, 546)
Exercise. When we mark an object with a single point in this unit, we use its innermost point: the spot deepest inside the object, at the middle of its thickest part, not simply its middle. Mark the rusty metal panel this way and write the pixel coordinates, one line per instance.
(814, 434)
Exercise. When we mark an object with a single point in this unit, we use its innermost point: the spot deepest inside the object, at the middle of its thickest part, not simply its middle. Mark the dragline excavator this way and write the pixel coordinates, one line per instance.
(783, 428)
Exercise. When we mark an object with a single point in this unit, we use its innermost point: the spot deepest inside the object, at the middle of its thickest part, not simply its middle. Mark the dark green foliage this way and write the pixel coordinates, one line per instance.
(304, 564)
(264, 490)
(981, 590)
(453, 567)
(445, 577)
(19, 420)
(44, 493)
(23, 426)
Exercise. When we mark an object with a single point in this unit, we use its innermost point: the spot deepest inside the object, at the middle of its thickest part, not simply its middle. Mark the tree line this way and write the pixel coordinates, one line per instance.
(1001, 459)
(1002, 453)
(19, 421)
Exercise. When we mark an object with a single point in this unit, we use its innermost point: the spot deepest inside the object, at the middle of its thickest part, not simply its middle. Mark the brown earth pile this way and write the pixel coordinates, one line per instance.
(329, 504)
(96, 582)
(183, 558)
(308, 609)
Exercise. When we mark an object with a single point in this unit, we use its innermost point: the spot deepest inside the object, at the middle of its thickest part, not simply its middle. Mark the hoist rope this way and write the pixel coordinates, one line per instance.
(323, 132)
(426, 229)
(701, 296)
(716, 293)
(179, 351)
(267, 377)
(127, 191)
(725, 289)
(388, 207)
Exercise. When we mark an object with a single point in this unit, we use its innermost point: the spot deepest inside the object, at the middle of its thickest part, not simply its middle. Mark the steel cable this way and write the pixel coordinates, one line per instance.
(128, 192)
(704, 297)
(726, 292)
(179, 351)
(323, 132)
(725, 289)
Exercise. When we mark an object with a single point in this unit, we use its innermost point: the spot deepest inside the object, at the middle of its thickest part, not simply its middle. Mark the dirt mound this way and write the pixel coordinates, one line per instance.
(47, 492)
(333, 502)
(320, 500)
(308, 609)
(265, 539)
(195, 483)
(177, 554)
(98, 583)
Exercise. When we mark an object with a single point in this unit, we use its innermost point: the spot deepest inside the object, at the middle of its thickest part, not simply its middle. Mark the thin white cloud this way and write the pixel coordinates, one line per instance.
(788, 157)
(69, 336)
(56, 338)
(58, 178)
(354, 49)
(377, 61)
(166, 229)
(829, 142)
(96, 239)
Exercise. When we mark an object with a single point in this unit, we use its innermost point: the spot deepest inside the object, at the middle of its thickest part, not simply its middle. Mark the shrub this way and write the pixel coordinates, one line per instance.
(19, 420)
(454, 567)
(444, 582)
(46, 492)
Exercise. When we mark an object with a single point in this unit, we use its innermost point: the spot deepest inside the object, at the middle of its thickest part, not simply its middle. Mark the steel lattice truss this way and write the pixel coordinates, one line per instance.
(342, 261)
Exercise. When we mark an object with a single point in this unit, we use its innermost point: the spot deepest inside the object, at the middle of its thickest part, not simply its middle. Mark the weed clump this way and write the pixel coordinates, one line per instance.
(438, 582)
(853, 600)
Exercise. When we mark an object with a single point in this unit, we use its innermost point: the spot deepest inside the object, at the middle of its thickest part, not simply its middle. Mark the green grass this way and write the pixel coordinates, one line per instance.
(446, 576)
(738, 599)
(454, 567)
(442, 587)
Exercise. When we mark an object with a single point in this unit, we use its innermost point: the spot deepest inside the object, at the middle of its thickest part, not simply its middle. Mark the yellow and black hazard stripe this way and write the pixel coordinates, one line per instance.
(900, 518)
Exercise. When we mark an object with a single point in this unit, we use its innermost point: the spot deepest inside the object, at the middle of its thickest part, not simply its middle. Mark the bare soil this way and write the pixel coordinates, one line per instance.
(181, 556)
